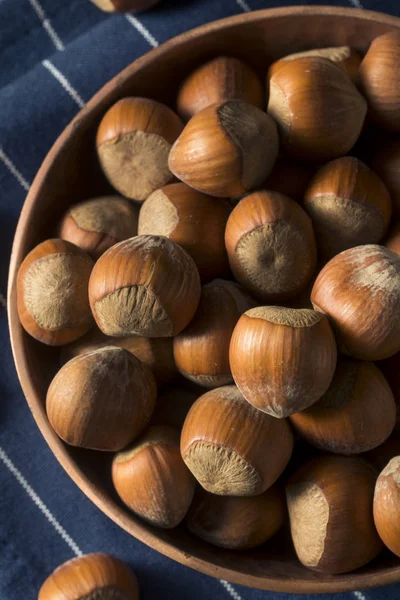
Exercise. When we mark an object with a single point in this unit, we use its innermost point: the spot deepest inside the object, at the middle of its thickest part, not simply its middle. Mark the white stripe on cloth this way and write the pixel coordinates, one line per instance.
(39, 503)
(243, 5)
(64, 82)
(360, 596)
(142, 30)
(356, 4)
(46, 24)
(13, 169)
(231, 590)
(3, 301)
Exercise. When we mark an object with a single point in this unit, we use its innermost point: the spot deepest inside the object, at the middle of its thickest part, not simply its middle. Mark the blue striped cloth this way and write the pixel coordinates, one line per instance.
(54, 55)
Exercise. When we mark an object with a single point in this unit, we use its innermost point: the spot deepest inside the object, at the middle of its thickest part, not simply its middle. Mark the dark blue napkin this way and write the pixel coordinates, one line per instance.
(54, 55)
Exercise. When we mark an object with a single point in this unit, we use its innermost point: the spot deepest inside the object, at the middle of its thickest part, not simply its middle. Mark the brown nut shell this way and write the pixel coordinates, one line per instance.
(101, 400)
(156, 353)
(282, 359)
(133, 143)
(146, 286)
(152, 479)
(387, 505)
(226, 149)
(234, 522)
(201, 350)
(194, 221)
(349, 206)
(97, 224)
(319, 111)
(379, 80)
(344, 57)
(359, 290)
(260, 256)
(90, 576)
(223, 78)
(232, 448)
(330, 511)
(52, 297)
(356, 414)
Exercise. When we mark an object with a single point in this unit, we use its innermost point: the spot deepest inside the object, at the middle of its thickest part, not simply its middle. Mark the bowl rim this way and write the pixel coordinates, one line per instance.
(347, 582)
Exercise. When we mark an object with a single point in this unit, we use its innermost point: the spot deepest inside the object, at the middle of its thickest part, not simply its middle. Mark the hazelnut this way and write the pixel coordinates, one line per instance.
(133, 143)
(380, 456)
(257, 240)
(387, 505)
(319, 111)
(152, 479)
(344, 57)
(282, 359)
(232, 448)
(92, 576)
(379, 79)
(386, 162)
(393, 240)
(156, 353)
(226, 149)
(223, 78)
(52, 292)
(237, 523)
(349, 206)
(330, 512)
(359, 290)
(356, 414)
(201, 350)
(173, 405)
(98, 224)
(289, 178)
(193, 220)
(147, 286)
(391, 369)
(101, 400)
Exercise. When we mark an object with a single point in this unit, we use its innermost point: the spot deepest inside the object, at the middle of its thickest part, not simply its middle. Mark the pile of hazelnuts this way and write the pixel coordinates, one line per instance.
(250, 306)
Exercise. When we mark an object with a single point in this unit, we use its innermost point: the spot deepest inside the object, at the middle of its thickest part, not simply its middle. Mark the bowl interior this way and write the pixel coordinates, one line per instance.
(71, 173)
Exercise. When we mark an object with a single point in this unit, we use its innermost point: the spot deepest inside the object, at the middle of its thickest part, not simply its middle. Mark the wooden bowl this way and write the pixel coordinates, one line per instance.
(71, 171)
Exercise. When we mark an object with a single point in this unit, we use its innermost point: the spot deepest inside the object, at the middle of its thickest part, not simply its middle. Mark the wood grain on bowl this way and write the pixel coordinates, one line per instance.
(259, 39)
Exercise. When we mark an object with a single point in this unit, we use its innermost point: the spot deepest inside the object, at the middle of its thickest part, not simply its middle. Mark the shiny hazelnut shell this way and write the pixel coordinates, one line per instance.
(97, 224)
(282, 359)
(52, 297)
(359, 290)
(152, 479)
(146, 286)
(226, 149)
(260, 257)
(387, 505)
(232, 448)
(194, 221)
(91, 576)
(379, 80)
(319, 111)
(223, 78)
(201, 350)
(133, 142)
(234, 522)
(349, 206)
(330, 511)
(356, 414)
(101, 400)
